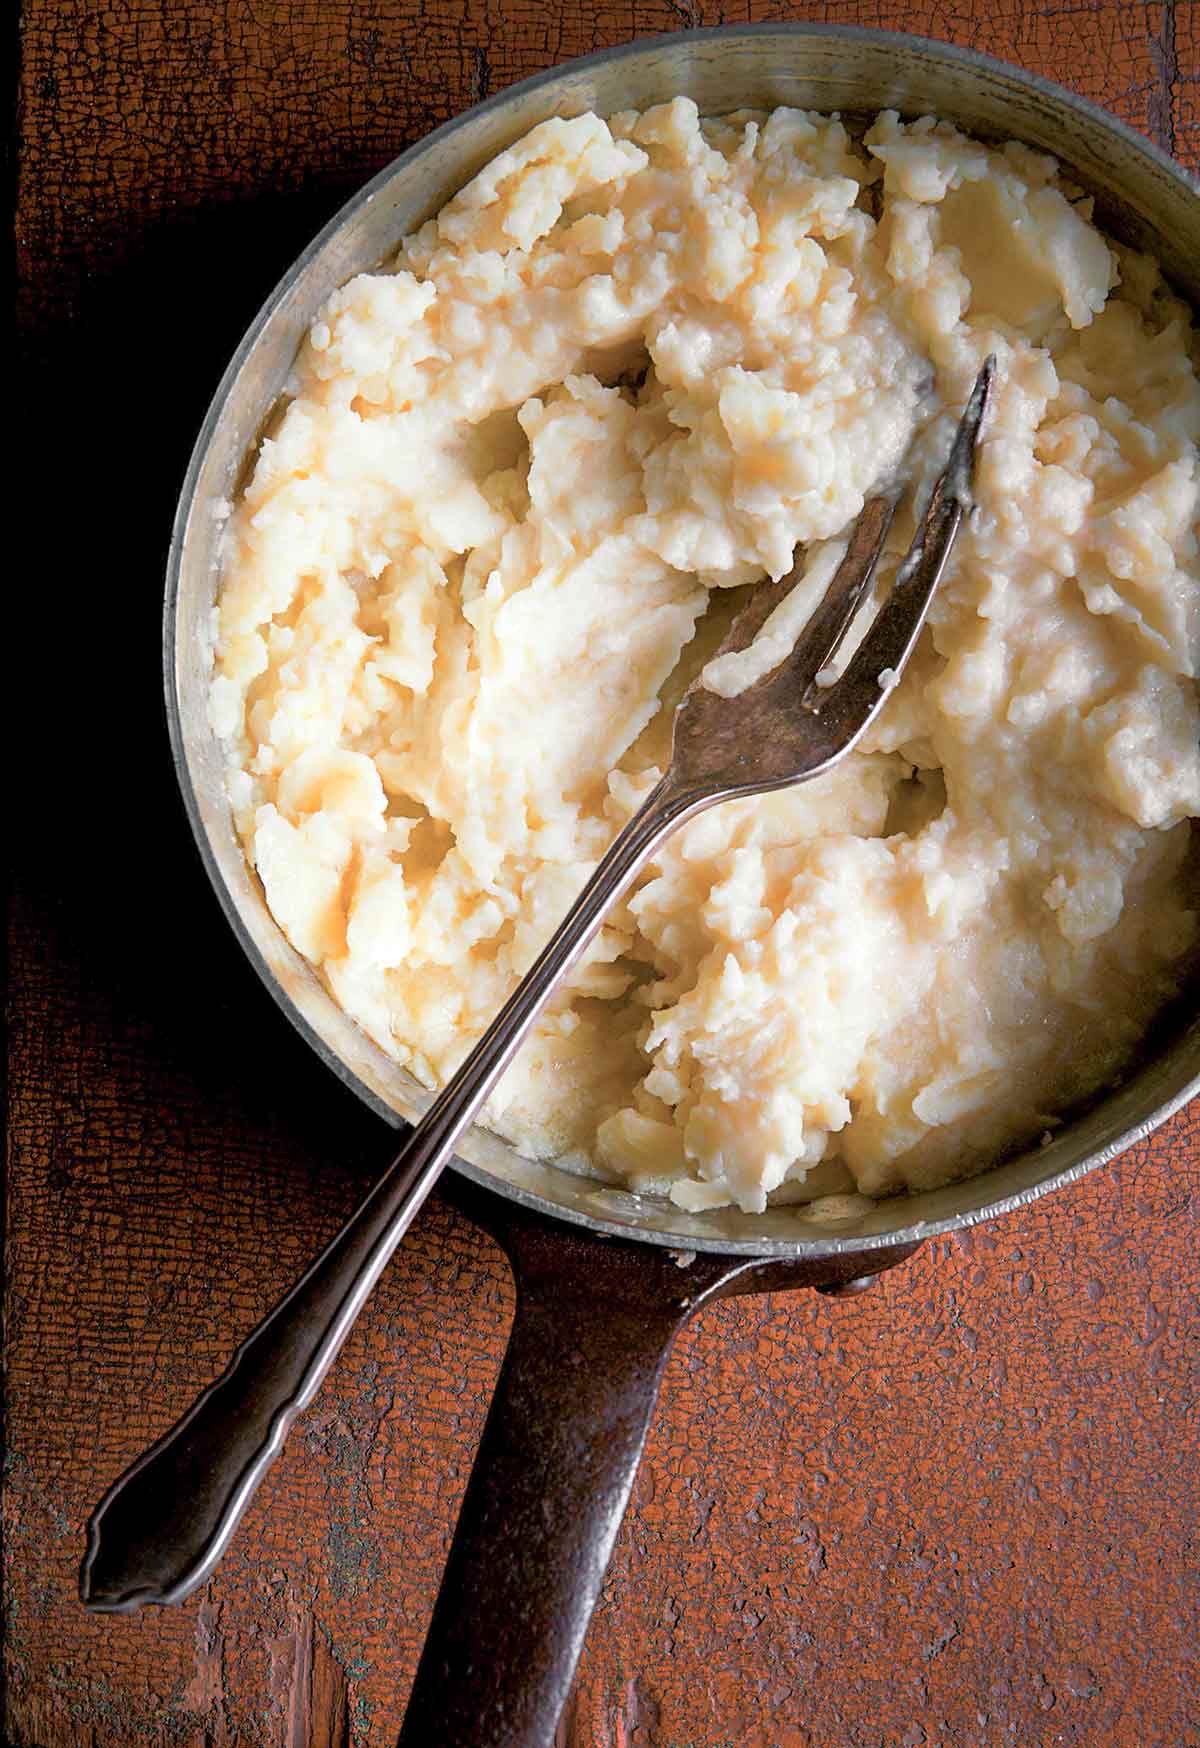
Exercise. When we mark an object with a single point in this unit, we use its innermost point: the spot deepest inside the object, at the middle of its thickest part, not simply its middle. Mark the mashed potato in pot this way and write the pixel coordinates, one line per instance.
(520, 482)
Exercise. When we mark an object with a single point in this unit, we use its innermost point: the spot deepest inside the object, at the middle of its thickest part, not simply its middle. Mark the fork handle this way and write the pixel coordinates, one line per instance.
(163, 1525)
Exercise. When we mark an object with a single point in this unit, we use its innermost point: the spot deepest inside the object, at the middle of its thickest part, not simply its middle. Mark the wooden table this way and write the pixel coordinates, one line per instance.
(960, 1511)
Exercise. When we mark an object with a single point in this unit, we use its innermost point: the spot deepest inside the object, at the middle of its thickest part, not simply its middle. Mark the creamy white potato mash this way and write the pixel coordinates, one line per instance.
(520, 480)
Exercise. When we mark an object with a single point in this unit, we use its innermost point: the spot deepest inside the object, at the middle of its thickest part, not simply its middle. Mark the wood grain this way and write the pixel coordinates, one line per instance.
(958, 1511)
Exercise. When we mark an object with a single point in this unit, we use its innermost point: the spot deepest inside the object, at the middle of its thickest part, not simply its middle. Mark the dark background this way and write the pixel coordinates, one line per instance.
(959, 1511)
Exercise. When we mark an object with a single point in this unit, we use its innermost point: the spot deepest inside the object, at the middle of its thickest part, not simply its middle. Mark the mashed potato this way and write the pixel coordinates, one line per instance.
(519, 482)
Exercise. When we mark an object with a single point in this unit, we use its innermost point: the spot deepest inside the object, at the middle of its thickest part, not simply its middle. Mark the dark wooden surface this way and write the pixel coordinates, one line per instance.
(955, 1513)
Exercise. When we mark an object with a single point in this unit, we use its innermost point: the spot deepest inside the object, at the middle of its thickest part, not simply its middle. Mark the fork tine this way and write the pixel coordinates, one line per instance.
(842, 597)
(847, 588)
(893, 636)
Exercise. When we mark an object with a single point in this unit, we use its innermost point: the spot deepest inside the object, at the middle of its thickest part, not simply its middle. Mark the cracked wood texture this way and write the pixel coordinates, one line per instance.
(958, 1511)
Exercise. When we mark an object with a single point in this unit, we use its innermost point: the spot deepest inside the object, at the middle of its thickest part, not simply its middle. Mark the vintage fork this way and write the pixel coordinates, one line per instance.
(161, 1527)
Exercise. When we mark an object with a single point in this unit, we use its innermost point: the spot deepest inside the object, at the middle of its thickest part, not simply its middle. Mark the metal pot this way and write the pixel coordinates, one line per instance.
(605, 1277)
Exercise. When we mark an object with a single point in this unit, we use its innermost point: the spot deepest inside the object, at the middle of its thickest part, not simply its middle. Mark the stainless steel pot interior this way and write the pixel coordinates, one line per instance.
(1142, 196)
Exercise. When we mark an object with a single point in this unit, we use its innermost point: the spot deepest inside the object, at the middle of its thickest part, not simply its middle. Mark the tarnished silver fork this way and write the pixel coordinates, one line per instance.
(161, 1527)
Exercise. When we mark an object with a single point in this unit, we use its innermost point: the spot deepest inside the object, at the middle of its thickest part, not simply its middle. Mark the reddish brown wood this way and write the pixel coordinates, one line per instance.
(958, 1511)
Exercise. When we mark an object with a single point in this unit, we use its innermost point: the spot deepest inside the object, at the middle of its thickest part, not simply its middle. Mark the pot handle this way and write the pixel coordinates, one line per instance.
(593, 1327)
(594, 1324)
